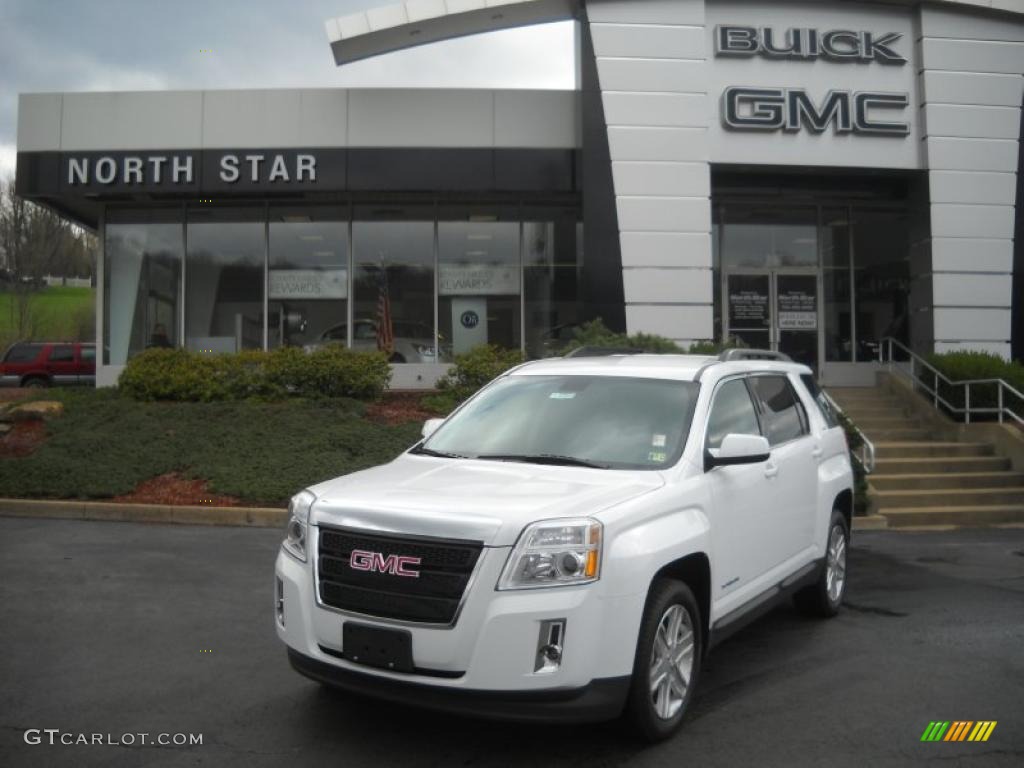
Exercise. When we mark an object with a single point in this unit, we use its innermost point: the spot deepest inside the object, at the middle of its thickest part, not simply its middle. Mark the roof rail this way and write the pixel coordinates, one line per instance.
(595, 351)
(730, 355)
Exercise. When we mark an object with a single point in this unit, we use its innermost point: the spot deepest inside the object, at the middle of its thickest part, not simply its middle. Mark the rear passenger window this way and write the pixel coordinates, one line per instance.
(23, 353)
(62, 354)
(784, 417)
(820, 400)
(87, 354)
(732, 413)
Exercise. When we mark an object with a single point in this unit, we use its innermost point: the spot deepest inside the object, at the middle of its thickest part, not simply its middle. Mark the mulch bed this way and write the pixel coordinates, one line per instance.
(15, 393)
(24, 437)
(398, 408)
(174, 489)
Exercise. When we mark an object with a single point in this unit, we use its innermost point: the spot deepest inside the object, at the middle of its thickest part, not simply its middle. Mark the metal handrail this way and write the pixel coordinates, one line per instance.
(917, 362)
(867, 457)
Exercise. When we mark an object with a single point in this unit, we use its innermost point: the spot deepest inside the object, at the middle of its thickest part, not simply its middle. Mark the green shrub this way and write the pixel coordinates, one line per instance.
(860, 480)
(596, 334)
(471, 371)
(181, 375)
(964, 366)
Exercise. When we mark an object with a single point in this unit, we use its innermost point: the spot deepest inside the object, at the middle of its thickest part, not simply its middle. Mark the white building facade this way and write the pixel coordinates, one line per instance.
(811, 177)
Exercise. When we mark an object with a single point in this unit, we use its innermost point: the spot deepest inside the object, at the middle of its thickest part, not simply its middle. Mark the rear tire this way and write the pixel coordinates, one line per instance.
(667, 662)
(823, 598)
(35, 382)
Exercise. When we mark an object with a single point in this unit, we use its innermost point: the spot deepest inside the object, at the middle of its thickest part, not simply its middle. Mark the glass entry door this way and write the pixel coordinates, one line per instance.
(776, 310)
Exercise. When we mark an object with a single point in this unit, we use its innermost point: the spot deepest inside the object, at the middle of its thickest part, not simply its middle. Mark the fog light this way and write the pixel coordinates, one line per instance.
(279, 602)
(549, 646)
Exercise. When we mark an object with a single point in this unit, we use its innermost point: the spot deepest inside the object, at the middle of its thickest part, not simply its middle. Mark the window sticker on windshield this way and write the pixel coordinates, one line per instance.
(658, 441)
(658, 456)
(562, 395)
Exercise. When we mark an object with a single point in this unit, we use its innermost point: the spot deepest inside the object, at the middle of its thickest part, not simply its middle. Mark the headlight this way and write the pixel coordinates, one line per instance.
(555, 553)
(298, 521)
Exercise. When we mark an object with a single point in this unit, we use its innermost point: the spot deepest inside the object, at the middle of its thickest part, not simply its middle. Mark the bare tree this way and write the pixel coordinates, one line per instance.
(37, 242)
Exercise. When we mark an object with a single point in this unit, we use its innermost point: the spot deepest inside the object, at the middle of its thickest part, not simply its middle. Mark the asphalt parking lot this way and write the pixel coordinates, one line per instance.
(124, 628)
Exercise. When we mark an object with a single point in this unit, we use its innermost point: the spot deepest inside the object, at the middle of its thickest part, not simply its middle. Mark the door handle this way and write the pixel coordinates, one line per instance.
(817, 452)
(771, 470)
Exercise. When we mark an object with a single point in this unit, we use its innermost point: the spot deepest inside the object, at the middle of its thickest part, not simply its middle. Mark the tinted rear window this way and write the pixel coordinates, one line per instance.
(820, 400)
(783, 414)
(23, 353)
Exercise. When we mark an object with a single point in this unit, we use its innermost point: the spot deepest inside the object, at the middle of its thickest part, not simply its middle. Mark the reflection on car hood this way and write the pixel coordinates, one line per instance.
(489, 501)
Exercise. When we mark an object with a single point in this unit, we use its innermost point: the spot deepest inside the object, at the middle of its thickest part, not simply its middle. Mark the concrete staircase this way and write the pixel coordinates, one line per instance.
(925, 474)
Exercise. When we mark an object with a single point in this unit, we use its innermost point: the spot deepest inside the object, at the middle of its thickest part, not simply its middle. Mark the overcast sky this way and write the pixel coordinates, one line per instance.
(105, 45)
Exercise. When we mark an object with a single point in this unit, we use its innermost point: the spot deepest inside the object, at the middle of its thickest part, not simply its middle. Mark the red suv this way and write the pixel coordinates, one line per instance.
(45, 363)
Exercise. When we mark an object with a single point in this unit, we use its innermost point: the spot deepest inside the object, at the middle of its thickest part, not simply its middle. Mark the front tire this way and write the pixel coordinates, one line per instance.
(823, 598)
(667, 661)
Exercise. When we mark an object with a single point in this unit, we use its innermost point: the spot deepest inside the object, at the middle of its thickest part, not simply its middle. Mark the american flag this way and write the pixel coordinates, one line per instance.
(385, 331)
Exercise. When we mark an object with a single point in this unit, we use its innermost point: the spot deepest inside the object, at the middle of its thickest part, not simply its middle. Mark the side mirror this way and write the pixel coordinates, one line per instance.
(430, 427)
(737, 449)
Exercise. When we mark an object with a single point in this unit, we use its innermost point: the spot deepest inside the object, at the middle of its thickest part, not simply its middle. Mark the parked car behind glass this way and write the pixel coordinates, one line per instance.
(413, 342)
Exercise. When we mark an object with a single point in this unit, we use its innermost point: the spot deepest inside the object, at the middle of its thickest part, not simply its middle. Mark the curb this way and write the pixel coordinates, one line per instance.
(252, 517)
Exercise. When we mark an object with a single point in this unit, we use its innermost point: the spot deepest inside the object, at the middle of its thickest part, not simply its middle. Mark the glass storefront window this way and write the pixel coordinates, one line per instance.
(835, 258)
(838, 325)
(423, 282)
(881, 257)
(768, 237)
(142, 278)
(308, 278)
(478, 281)
(393, 253)
(224, 278)
(552, 262)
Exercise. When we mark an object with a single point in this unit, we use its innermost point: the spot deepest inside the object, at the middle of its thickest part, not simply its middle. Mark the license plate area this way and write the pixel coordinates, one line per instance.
(389, 649)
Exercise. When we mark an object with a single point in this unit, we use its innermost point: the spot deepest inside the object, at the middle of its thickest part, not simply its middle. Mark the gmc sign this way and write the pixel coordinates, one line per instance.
(791, 109)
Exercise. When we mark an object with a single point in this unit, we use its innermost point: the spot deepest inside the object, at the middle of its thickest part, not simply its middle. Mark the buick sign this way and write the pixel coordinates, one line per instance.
(837, 45)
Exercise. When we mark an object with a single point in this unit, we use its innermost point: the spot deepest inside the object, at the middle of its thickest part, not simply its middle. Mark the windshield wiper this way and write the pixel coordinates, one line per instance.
(544, 458)
(419, 449)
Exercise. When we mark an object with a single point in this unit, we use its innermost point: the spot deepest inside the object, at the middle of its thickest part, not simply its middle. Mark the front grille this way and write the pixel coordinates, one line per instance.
(445, 568)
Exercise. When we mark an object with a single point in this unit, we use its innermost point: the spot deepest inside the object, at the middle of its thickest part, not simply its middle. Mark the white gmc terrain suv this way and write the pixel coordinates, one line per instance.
(570, 542)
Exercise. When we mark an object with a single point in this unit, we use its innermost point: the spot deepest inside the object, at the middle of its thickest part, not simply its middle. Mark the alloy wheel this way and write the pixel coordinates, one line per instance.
(835, 564)
(672, 661)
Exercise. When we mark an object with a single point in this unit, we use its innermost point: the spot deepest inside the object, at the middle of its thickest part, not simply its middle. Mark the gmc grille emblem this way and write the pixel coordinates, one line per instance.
(376, 562)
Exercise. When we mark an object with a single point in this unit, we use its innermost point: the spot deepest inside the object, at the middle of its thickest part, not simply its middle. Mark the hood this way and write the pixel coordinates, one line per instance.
(488, 501)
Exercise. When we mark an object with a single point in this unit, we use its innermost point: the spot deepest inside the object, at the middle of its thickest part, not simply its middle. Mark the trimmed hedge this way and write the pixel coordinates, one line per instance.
(471, 371)
(597, 334)
(485, 363)
(964, 366)
(185, 376)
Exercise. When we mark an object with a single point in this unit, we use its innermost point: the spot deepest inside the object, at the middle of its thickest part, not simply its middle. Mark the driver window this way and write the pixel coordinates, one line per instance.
(732, 413)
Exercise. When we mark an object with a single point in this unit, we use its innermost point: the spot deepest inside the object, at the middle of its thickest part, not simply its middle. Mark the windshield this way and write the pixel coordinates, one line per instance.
(602, 421)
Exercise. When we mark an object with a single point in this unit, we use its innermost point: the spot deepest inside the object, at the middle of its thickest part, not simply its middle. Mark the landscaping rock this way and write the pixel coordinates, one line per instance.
(38, 410)
(5, 427)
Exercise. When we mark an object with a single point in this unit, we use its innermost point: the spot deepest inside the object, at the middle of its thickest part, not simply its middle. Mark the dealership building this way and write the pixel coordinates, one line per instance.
(810, 177)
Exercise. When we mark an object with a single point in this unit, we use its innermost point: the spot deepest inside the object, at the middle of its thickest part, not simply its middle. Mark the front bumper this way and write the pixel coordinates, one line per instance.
(486, 663)
(601, 699)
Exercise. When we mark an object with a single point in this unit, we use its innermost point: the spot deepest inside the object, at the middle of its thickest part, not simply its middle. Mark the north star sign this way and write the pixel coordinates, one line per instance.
(755, 108)
(170, 168)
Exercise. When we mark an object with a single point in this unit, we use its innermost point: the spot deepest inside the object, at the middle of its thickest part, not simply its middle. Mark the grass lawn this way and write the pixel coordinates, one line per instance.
(58, 311)
(262, 453)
